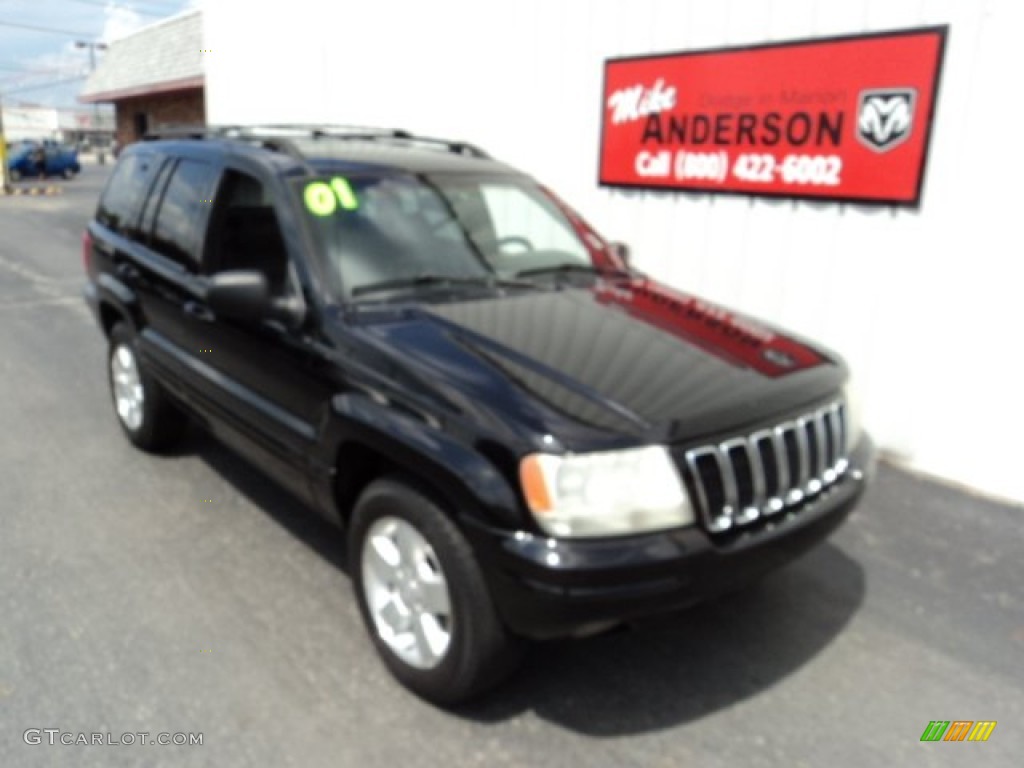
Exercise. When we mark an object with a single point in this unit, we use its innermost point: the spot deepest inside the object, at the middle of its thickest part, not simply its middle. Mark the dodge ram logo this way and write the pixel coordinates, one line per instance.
(885, 117)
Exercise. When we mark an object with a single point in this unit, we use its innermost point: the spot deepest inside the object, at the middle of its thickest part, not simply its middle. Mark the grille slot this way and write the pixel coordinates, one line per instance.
(755, 476)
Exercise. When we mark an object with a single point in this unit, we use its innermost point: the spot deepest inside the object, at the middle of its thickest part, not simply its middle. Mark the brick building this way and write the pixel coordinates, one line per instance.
(154, 78)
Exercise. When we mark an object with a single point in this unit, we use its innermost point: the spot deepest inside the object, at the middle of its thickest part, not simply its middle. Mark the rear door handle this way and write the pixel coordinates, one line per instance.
(199, 311)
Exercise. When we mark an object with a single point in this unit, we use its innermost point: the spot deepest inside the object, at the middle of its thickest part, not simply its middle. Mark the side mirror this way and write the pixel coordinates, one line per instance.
(621, 252)
(244, 295)
(241, 295)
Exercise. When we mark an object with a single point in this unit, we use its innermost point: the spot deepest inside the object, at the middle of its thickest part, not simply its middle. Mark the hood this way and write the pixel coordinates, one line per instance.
(625, 360)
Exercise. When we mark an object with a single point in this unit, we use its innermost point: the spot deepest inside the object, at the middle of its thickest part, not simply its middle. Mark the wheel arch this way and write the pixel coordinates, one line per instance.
(110, 316)
(117, 303)
(372, 440)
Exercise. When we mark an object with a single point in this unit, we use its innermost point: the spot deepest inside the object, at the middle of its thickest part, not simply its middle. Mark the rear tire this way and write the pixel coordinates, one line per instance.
(149, 420)
(423, 597)
(68, 173)
(15, 174)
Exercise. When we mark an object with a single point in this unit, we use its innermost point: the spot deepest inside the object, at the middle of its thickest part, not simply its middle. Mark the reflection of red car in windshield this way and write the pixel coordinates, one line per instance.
(30, 159)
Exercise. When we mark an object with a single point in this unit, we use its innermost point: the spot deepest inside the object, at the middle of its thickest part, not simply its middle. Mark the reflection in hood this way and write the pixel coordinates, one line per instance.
(731, 337)
(628, 358)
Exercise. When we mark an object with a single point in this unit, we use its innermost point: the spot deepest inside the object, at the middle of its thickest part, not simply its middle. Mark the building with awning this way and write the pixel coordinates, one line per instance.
(154, 78)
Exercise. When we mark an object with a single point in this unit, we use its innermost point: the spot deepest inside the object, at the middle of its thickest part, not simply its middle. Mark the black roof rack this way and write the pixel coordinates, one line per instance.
(396, 134)
(178, 132)
(280, 136)
(275, 143)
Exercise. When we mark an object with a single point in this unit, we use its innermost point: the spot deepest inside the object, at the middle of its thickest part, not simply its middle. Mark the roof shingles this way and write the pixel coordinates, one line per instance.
(160, 57)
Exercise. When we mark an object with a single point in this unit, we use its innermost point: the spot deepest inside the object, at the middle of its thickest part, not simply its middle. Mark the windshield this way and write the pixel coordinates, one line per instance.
(410, 231)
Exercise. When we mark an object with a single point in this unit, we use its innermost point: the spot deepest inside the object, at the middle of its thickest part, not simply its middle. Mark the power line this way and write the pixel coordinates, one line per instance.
(51, 84)
(139, 11)
(158, 4)
(27, 76)
(26, 73)
(152, 5)
(47, 30)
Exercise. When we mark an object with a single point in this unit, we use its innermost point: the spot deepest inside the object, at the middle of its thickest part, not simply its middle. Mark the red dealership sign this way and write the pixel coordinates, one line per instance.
(845, 118)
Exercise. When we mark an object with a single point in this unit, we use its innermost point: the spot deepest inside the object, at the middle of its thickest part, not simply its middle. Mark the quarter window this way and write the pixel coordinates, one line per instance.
(119, 205)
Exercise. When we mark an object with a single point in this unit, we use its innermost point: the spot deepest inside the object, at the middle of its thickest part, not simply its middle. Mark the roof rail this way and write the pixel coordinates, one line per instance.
(270, 141)
(375, 134)
(314, 130)
(178, 132)
(278, 135)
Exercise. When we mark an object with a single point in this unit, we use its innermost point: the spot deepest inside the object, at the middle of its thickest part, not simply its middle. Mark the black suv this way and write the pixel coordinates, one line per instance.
(521, 435)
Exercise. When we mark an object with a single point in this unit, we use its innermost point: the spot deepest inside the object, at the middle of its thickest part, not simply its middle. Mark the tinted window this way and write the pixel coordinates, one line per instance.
(183, 207)
(148, 218)
(125, 191)
(245, 232)
(375, 229)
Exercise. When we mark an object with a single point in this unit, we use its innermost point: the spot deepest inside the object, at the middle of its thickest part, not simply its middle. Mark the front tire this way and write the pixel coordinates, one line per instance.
(423, 597)
(147, 417)
(15, 174)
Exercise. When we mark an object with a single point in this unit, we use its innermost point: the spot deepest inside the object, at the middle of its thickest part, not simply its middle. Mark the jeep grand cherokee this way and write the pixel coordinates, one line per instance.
(521, 436)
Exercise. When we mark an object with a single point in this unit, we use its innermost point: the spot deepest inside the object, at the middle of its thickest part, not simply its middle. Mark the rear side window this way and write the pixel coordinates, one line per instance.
(153, 201)
(182, 210)
(126, 189)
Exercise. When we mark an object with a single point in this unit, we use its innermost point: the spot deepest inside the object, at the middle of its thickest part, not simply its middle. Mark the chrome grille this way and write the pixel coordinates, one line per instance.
(759, 475)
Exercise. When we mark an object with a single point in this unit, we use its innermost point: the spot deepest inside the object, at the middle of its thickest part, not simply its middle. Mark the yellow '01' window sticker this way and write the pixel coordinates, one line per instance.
(323, 198)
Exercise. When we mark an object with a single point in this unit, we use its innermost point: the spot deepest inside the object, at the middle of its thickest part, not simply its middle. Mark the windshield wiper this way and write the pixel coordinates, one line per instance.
(431, 279)
(571, 267)
(453, 216)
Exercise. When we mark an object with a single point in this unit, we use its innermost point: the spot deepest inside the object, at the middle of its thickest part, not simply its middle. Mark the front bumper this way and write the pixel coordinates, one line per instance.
(554, 587)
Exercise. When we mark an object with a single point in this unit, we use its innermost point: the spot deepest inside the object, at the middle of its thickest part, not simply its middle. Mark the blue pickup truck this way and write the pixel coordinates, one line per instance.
(60, 160)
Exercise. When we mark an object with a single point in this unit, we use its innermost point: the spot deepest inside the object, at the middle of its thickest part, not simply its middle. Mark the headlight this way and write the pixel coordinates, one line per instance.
(605, 494)
(851, 395)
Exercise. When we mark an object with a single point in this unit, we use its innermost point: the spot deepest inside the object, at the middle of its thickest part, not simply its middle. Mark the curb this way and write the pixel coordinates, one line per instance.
(33, 191)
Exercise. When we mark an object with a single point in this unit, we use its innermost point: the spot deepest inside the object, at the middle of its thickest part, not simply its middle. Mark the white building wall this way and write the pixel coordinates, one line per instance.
(924, 304)
(22, 122)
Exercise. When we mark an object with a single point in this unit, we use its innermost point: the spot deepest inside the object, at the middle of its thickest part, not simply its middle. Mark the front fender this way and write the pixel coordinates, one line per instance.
(472, 483)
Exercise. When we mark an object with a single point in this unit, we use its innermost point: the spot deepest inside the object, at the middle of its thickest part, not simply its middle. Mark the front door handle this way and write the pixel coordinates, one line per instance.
(128, 272)
(199, 311)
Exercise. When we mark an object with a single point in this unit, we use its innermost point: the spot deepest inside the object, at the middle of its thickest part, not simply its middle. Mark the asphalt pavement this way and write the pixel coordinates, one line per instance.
(186, 594)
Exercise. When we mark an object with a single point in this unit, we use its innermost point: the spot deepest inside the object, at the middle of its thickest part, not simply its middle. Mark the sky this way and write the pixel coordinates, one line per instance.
(33, 63)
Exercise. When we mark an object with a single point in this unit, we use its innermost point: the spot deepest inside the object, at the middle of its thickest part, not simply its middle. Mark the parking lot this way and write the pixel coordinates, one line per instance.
(185, 594)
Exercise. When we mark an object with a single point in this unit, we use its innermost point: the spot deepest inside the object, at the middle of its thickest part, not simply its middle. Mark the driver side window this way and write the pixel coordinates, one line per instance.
(245, 232)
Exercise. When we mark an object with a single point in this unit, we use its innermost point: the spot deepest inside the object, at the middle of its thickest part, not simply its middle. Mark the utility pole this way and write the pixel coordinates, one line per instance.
(5, 184)
(95, 107)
